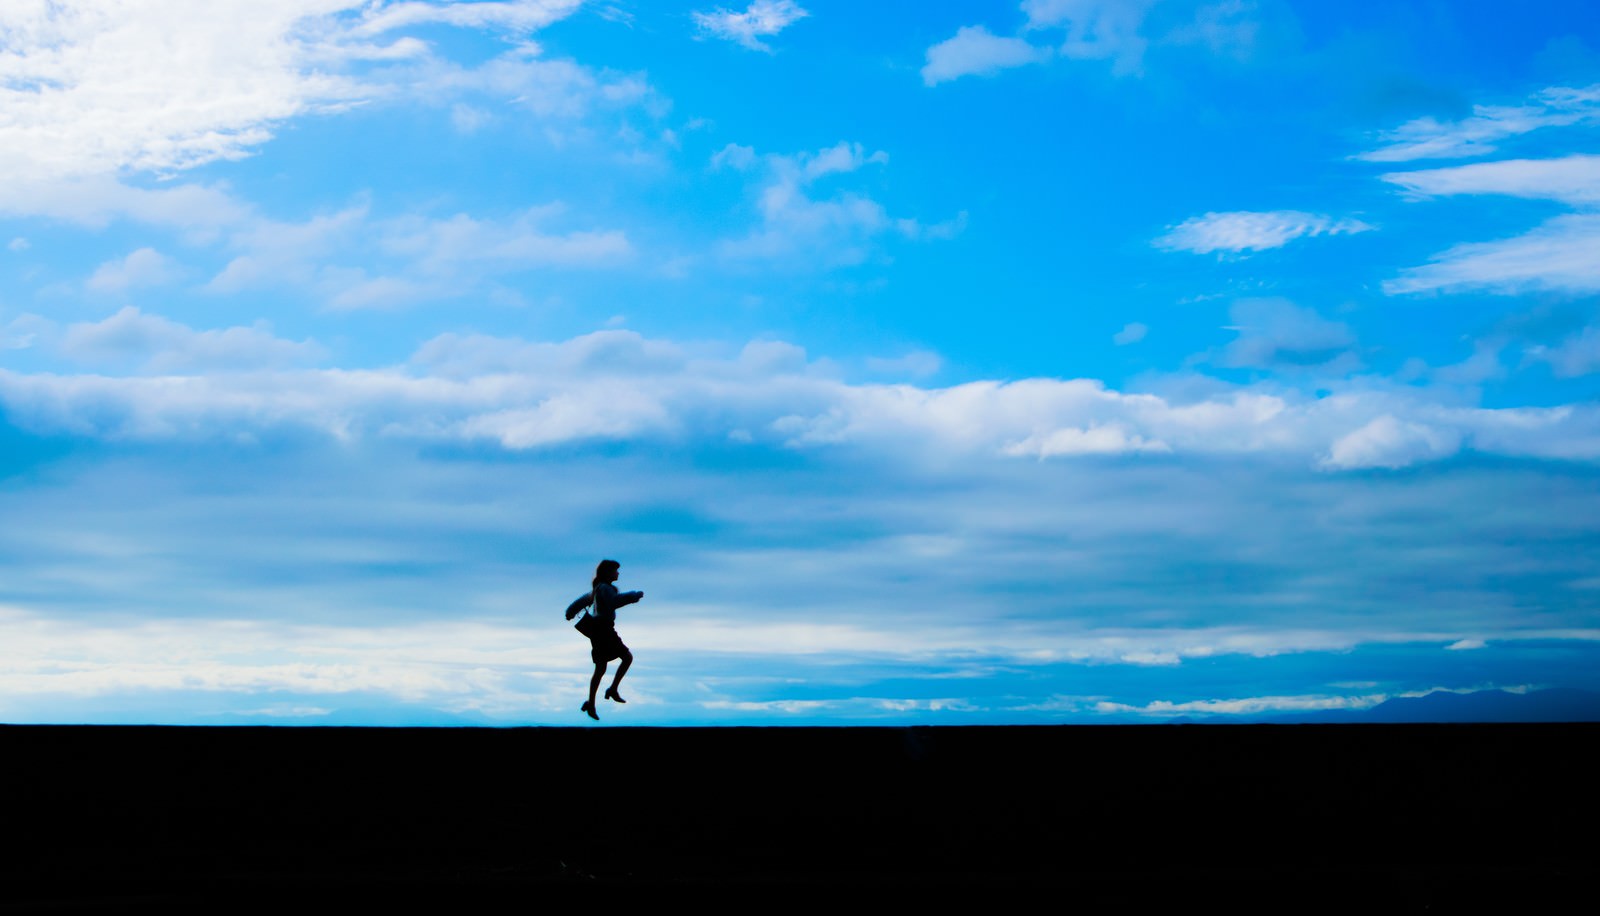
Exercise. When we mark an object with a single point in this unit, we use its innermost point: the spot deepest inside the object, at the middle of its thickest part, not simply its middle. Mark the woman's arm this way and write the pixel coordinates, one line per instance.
(576, 607)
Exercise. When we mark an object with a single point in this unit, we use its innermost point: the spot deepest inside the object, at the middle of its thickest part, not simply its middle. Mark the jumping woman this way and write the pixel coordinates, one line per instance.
(600, 625)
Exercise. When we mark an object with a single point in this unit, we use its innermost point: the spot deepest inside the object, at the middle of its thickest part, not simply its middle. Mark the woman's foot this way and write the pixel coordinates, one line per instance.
(588, 707)
(611, 694)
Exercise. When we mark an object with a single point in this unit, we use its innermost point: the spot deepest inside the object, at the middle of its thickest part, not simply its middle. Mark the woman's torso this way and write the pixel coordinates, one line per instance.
(605, 603)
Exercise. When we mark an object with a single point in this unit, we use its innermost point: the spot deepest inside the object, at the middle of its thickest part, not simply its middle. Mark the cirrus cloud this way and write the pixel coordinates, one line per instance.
(1246, 231)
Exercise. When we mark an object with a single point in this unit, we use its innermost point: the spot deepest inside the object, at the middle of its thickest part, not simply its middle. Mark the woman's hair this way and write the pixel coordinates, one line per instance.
(601, 569)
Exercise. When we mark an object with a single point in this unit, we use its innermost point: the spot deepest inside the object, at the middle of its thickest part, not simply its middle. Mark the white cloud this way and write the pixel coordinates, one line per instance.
(101, 86)
(1244, 706)
(1577, 355)
(516, 15)
(280, 252)
(734, 156)
(763, 18)
(158, 345)
(550, 88)
(1462, 645)
(1111, 30)
(97, 95)
(840, 158)
(617, 385)
(974, 50)
(1276, 333)
(95, 201)
(1111, 439)
(1387, 442)
(1557, 256)
(1226, 28)
(1096, 29)
(158, 85)
(1242, 231)
(18, 244)
(467, 119)
(795, 222)
(789, 707)
(416, 258)
(441, 246)
(1430, 138)
(25, 331)
(143, 267)
(1573, 180)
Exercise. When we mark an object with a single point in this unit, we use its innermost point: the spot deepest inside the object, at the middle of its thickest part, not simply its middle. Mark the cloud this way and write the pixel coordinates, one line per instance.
(763, 18)
(1577, 355)
(275, 252)
(1480, 134)
(1131, 333)
(1096, 29)
(435, 574)
(515, 15)
(1244, 231)
(1243, 706)
(554, 89)
(619, 386)
(1387, 442)
(1558, 256)
(1118, 31)
(1277, 334)
(156, 344)
(442, 246)
(1090, 440)
(975, 51)
(1574, 180)
(96, 201)
(81, 96)
(143, 267)
(86, 90)
(25, 331)
(417, 257)
(797, 222)
(735, 157)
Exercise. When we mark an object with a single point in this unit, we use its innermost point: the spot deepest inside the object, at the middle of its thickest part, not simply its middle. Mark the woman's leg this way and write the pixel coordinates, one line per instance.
(594, 682)
(627, 659)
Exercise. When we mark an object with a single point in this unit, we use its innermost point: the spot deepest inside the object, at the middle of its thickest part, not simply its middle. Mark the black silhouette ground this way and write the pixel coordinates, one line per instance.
(1268, 818)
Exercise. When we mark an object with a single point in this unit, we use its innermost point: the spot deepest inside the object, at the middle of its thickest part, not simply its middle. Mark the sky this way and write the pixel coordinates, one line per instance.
(923, 363)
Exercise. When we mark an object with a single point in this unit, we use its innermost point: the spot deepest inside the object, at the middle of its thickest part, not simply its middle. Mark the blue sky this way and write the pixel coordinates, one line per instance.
(1053, 361)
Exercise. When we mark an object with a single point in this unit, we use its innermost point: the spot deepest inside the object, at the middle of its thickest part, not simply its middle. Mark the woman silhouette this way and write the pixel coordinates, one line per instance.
(604, 643)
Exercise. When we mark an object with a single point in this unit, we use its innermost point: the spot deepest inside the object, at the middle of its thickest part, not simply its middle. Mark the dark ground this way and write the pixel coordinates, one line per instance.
(1263, 818)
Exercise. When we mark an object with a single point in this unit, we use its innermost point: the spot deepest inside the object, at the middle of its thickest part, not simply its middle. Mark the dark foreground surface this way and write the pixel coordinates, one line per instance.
(1331, 818)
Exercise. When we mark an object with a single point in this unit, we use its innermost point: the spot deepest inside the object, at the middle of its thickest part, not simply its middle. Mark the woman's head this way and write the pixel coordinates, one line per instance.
(606, 571)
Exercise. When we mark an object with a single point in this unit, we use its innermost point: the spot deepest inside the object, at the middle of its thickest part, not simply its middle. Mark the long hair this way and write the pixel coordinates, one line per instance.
(601, 569)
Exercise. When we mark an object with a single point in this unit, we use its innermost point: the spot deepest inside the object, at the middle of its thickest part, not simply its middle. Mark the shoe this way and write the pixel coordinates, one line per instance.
(588, 707)
(611, 694)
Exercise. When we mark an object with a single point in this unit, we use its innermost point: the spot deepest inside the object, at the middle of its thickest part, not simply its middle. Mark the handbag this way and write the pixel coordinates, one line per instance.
(589, 625)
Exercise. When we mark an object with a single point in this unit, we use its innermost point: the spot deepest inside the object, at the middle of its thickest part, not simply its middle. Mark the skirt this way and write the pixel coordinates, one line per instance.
(605, 646)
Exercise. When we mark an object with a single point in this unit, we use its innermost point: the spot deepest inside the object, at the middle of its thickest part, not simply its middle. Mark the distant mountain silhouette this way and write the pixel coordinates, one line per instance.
(1558, 704)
